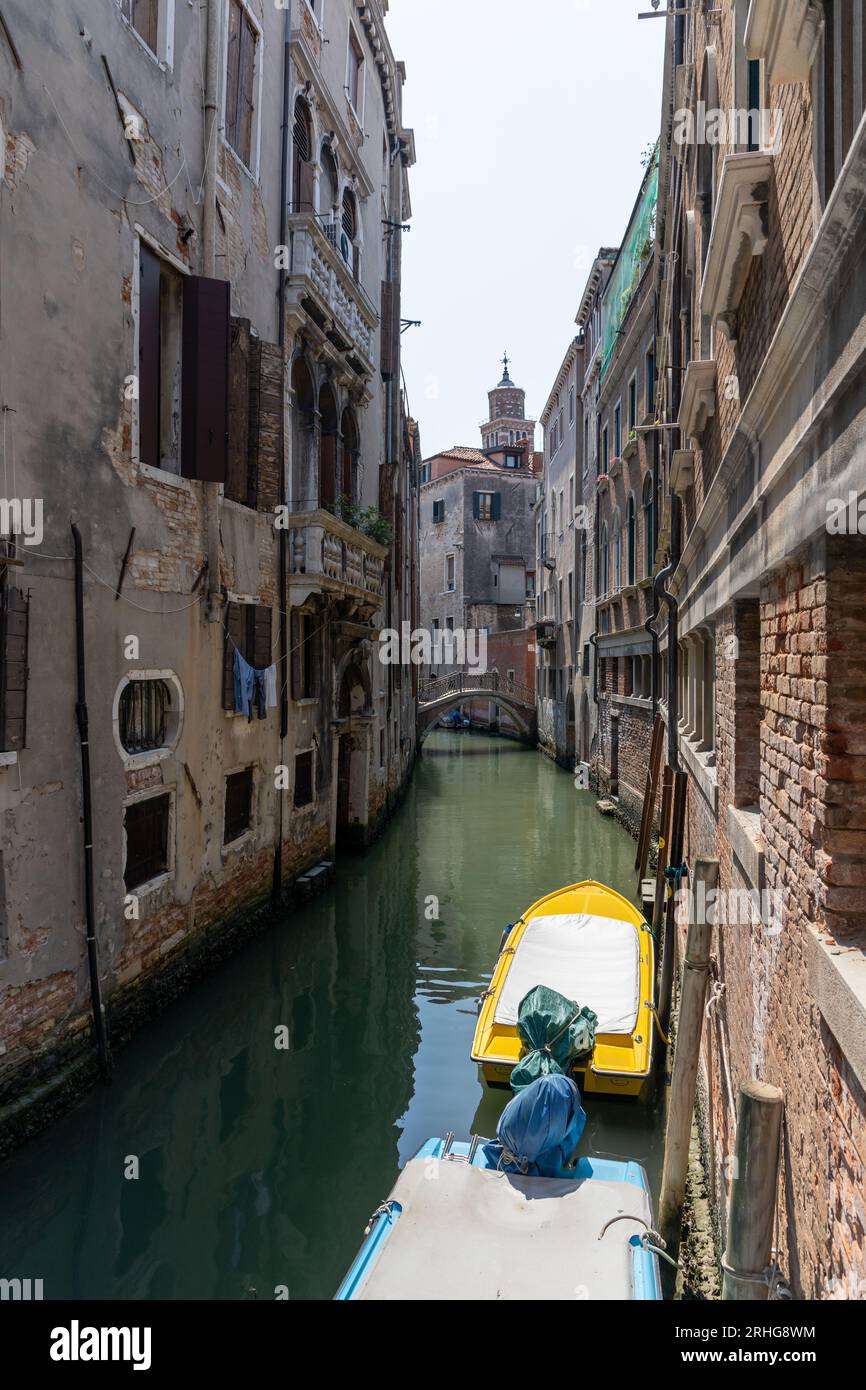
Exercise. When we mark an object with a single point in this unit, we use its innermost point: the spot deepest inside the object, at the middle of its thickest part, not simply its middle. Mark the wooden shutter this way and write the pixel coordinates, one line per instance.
(13, 669)
(390, 329)
(235, 629)
(306, 192)
(246, 78)
(237, 474)
(262, 656)
(295, 652)
(233, 62)
(267, 389)
(497, 506)
(206, 332)
(476, 505)
(148, 356)
(356, 262)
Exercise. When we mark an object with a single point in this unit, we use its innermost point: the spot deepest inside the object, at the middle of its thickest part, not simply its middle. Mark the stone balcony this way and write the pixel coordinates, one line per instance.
(328, 556)
(324, 298)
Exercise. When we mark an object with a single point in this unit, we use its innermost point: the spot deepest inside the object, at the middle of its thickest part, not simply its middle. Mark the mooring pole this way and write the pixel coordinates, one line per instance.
(687, 1053)
(753, 1193)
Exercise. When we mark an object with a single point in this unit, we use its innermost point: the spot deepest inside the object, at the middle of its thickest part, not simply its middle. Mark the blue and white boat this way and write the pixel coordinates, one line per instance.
(478, 1222)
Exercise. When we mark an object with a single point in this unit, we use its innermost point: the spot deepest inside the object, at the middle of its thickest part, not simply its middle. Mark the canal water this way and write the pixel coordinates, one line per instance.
(258, 1167)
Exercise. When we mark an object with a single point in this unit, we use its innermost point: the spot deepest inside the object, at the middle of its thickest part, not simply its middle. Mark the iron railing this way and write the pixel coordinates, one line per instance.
(475, 683)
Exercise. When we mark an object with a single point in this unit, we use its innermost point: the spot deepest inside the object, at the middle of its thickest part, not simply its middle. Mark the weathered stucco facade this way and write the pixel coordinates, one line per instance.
(239, 477)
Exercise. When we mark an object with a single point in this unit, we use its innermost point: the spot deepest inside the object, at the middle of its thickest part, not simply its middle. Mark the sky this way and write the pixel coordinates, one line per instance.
(530, 119)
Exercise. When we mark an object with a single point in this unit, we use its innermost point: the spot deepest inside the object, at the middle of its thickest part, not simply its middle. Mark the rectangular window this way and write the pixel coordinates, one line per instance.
(303, 779)
(632, 404)
(530, 584)
(570, 592)
(617, 431)
(239, 805)
(512, 461)
(143, 15)
(843, 93)
(306, 651)
(571, 405)
(146, 825)
(438, 511)
(754, 108)
(586, 651)
(425, 472)
(486, 506)
(14, 619)
(240, 82)
(355, 74)
(183, 389)
(650, 366)
(449, 624)
(450, 573)
(604, 461)
(248, 631)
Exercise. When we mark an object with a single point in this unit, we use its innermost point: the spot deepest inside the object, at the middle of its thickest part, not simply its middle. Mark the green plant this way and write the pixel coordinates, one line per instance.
(369, 521)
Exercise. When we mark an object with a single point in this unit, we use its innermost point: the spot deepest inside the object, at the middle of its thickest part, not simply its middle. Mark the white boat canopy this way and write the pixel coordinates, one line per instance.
(469, 1233)
(593, 960)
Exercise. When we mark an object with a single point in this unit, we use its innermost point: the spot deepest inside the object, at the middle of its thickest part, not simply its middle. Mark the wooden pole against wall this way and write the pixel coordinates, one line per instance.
(674, 856)
(687, 1055)
(753, 1193)
(649, 799)
(664, 841)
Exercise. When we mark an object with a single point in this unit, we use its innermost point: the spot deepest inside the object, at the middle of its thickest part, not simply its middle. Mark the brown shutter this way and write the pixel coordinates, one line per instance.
(305, 188)
(13, 673)
(237, 476)
(356, 262)
(148, 356)
(206, 320)
(262, 654)
(233, 62)
(266, 425)
(295, 646)
(314, 656)
(246, 72)
(387, 339)
(235, 637)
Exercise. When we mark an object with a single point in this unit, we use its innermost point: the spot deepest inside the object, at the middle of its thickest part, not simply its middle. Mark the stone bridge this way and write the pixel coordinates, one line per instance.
(437, 697)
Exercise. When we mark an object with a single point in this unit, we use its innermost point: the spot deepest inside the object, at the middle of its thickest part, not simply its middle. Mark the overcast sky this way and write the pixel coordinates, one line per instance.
(530, 119)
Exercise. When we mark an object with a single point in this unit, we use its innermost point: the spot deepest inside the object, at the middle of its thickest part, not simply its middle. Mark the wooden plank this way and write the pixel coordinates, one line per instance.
(663, 843)
(752, 1207)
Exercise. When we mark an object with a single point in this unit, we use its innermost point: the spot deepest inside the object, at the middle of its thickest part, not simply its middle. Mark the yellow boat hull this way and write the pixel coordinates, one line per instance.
(620, 1063)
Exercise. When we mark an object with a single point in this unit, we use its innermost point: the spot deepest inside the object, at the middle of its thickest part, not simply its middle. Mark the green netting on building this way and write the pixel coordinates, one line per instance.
(637, 248)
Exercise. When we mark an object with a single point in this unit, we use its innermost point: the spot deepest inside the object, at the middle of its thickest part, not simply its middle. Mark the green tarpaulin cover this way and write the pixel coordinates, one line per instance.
(555, 1031)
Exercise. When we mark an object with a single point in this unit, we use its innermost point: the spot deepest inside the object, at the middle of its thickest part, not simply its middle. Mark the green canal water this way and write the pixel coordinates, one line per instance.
(260, 1167)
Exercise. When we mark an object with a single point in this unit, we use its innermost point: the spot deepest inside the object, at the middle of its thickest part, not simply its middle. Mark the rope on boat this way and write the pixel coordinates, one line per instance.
(383, 1209)
(650, 1240)
(665, 1040)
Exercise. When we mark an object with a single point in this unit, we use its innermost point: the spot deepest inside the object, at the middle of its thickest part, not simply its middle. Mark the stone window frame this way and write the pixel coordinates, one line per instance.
(167, 876)
(164, 55)
(230, 847)
(353, 33)
(310, 805)
(162, 475)
(133, 761)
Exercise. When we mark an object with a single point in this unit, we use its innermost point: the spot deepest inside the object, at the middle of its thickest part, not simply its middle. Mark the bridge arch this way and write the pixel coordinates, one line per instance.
(451, 692)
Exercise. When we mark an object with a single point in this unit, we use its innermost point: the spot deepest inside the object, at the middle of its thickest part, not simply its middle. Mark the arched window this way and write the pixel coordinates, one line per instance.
(648, 526)
(302, 150)
(351, 455)
(327, 448)
(630, 523)
(617, 552)
(604, 562)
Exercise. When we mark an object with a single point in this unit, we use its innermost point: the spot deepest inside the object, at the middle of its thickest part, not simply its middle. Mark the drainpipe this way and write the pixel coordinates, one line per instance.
(594, 640)
(87, 814)
(208, 268)
(651, 621)
(282, 534)
(673, 628)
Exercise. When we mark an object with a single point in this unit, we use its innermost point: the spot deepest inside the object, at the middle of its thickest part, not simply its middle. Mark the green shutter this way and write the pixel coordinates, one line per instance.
(476, 505)
(497, 506)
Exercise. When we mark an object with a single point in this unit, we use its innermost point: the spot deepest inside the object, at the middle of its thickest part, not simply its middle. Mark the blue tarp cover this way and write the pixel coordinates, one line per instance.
(540, 1128)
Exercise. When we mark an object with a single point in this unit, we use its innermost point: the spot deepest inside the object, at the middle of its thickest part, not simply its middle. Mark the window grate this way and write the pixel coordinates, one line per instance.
(142, 716)
(146, 825)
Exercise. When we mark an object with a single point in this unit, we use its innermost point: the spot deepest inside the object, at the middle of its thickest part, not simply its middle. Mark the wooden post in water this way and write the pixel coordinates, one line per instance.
(681, 1102)
(753, 1193)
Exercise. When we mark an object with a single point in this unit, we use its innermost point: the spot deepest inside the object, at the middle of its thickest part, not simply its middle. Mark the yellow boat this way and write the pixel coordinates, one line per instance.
(592, 945)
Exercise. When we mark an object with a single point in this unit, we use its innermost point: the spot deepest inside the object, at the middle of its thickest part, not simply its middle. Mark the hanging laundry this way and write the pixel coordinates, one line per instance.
(244, 684)
(271, 686)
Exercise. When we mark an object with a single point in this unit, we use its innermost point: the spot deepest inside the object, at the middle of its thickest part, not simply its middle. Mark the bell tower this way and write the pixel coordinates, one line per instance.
(507, 422)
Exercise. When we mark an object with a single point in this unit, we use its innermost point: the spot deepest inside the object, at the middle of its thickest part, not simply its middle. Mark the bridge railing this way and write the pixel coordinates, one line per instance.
(473, 683)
